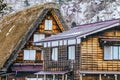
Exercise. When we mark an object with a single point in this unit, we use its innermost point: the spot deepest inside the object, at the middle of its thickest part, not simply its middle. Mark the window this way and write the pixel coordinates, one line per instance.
(111, 52)
(71, 52)
(55, 54)
(29, 54)
(38, 37)
(48, 24)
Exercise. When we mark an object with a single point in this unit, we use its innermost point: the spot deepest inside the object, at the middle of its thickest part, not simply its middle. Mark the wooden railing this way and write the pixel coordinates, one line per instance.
(59, 65)
(29, 61)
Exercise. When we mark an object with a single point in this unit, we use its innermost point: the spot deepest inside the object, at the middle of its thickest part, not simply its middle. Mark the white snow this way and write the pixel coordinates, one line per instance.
(79, 11)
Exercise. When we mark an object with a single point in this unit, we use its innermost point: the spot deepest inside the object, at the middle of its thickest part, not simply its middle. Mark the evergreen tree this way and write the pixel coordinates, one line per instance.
(73, 24)
(26, 3)
(2, 6)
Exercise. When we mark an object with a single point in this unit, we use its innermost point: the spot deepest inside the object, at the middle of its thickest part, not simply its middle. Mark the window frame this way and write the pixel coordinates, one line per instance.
(29, 55)
(68, 52)
(55, 59)
(38, 35)
(48, 26)
(112, 52)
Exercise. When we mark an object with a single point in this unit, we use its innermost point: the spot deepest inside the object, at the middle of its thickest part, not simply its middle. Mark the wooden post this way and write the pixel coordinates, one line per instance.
(115, 76)
(37, 76)
(66, 77)
(25, 78)
(6, 77)
(80, 76)
(53, 76)
(63, 77)
(44, 76)
(100, 77)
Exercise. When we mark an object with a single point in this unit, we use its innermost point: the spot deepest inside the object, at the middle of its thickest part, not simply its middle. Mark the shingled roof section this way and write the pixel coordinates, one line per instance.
(16, 29)
(83, 30)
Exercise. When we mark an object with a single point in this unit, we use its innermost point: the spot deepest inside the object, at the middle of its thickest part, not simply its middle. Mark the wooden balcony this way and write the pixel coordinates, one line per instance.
(59, 65)
(28, 62)
(27, 67)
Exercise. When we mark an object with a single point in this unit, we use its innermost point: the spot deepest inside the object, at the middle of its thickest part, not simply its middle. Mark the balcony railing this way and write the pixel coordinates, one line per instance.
(29, 61)
(59, 65)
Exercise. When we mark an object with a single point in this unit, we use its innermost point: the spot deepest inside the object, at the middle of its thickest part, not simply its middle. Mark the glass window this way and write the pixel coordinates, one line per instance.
(71, 52)
(48, 24)
(107, 52)
(119, 52)
(115, 52)
(111, 52)
(55, 54)
(29, 54)
(38, 37)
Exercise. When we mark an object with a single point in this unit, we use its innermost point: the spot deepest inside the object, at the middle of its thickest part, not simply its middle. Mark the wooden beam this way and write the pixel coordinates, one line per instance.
(100, 77)
(66, 77)
(115, 77)
(80, 76)
(53, 76)
(63, 77)
(25, 78)
(44, 76)
(6, 77)
(37, 76)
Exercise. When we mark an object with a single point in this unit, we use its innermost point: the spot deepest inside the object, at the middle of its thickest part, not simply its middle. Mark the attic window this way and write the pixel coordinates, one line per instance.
(48, 24)
(38, 37)
(29, 54)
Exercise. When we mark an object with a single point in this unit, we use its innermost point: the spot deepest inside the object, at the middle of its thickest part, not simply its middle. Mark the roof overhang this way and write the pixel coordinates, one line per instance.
(99, 72)
(97, 30)
(80, 35)
(51, 72)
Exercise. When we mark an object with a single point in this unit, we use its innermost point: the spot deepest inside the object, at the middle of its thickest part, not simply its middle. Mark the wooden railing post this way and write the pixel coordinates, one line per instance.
(66, 77)
(44, 76)
(53, 76)
(80, 76)
(37, 76)
(100, 77)
(115, 76)
(62, 76)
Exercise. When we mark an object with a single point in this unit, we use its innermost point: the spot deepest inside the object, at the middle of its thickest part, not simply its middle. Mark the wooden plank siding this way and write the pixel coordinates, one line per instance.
(30, 44)
(92, 53)
(63, 63)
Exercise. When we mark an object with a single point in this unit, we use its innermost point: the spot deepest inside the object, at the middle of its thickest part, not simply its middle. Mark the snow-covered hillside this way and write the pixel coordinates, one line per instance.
(75, 11)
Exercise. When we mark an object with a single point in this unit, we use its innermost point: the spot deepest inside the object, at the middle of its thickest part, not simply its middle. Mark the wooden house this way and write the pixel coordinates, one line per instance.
(20, 56)
(85, 52)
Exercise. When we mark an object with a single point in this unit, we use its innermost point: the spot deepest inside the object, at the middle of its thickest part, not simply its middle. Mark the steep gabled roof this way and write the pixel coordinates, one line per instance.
(83, 30)
(16, 29)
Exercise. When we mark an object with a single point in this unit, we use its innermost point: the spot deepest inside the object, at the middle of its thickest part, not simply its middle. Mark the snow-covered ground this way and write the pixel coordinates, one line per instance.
(77, 11)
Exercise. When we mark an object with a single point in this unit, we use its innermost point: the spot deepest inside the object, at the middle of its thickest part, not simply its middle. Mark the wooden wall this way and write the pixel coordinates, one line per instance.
(92, 55)
(29, 44)
(63, 63)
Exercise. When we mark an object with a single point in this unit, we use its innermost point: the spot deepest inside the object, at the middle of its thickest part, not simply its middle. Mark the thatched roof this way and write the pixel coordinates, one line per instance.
(15, 27)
